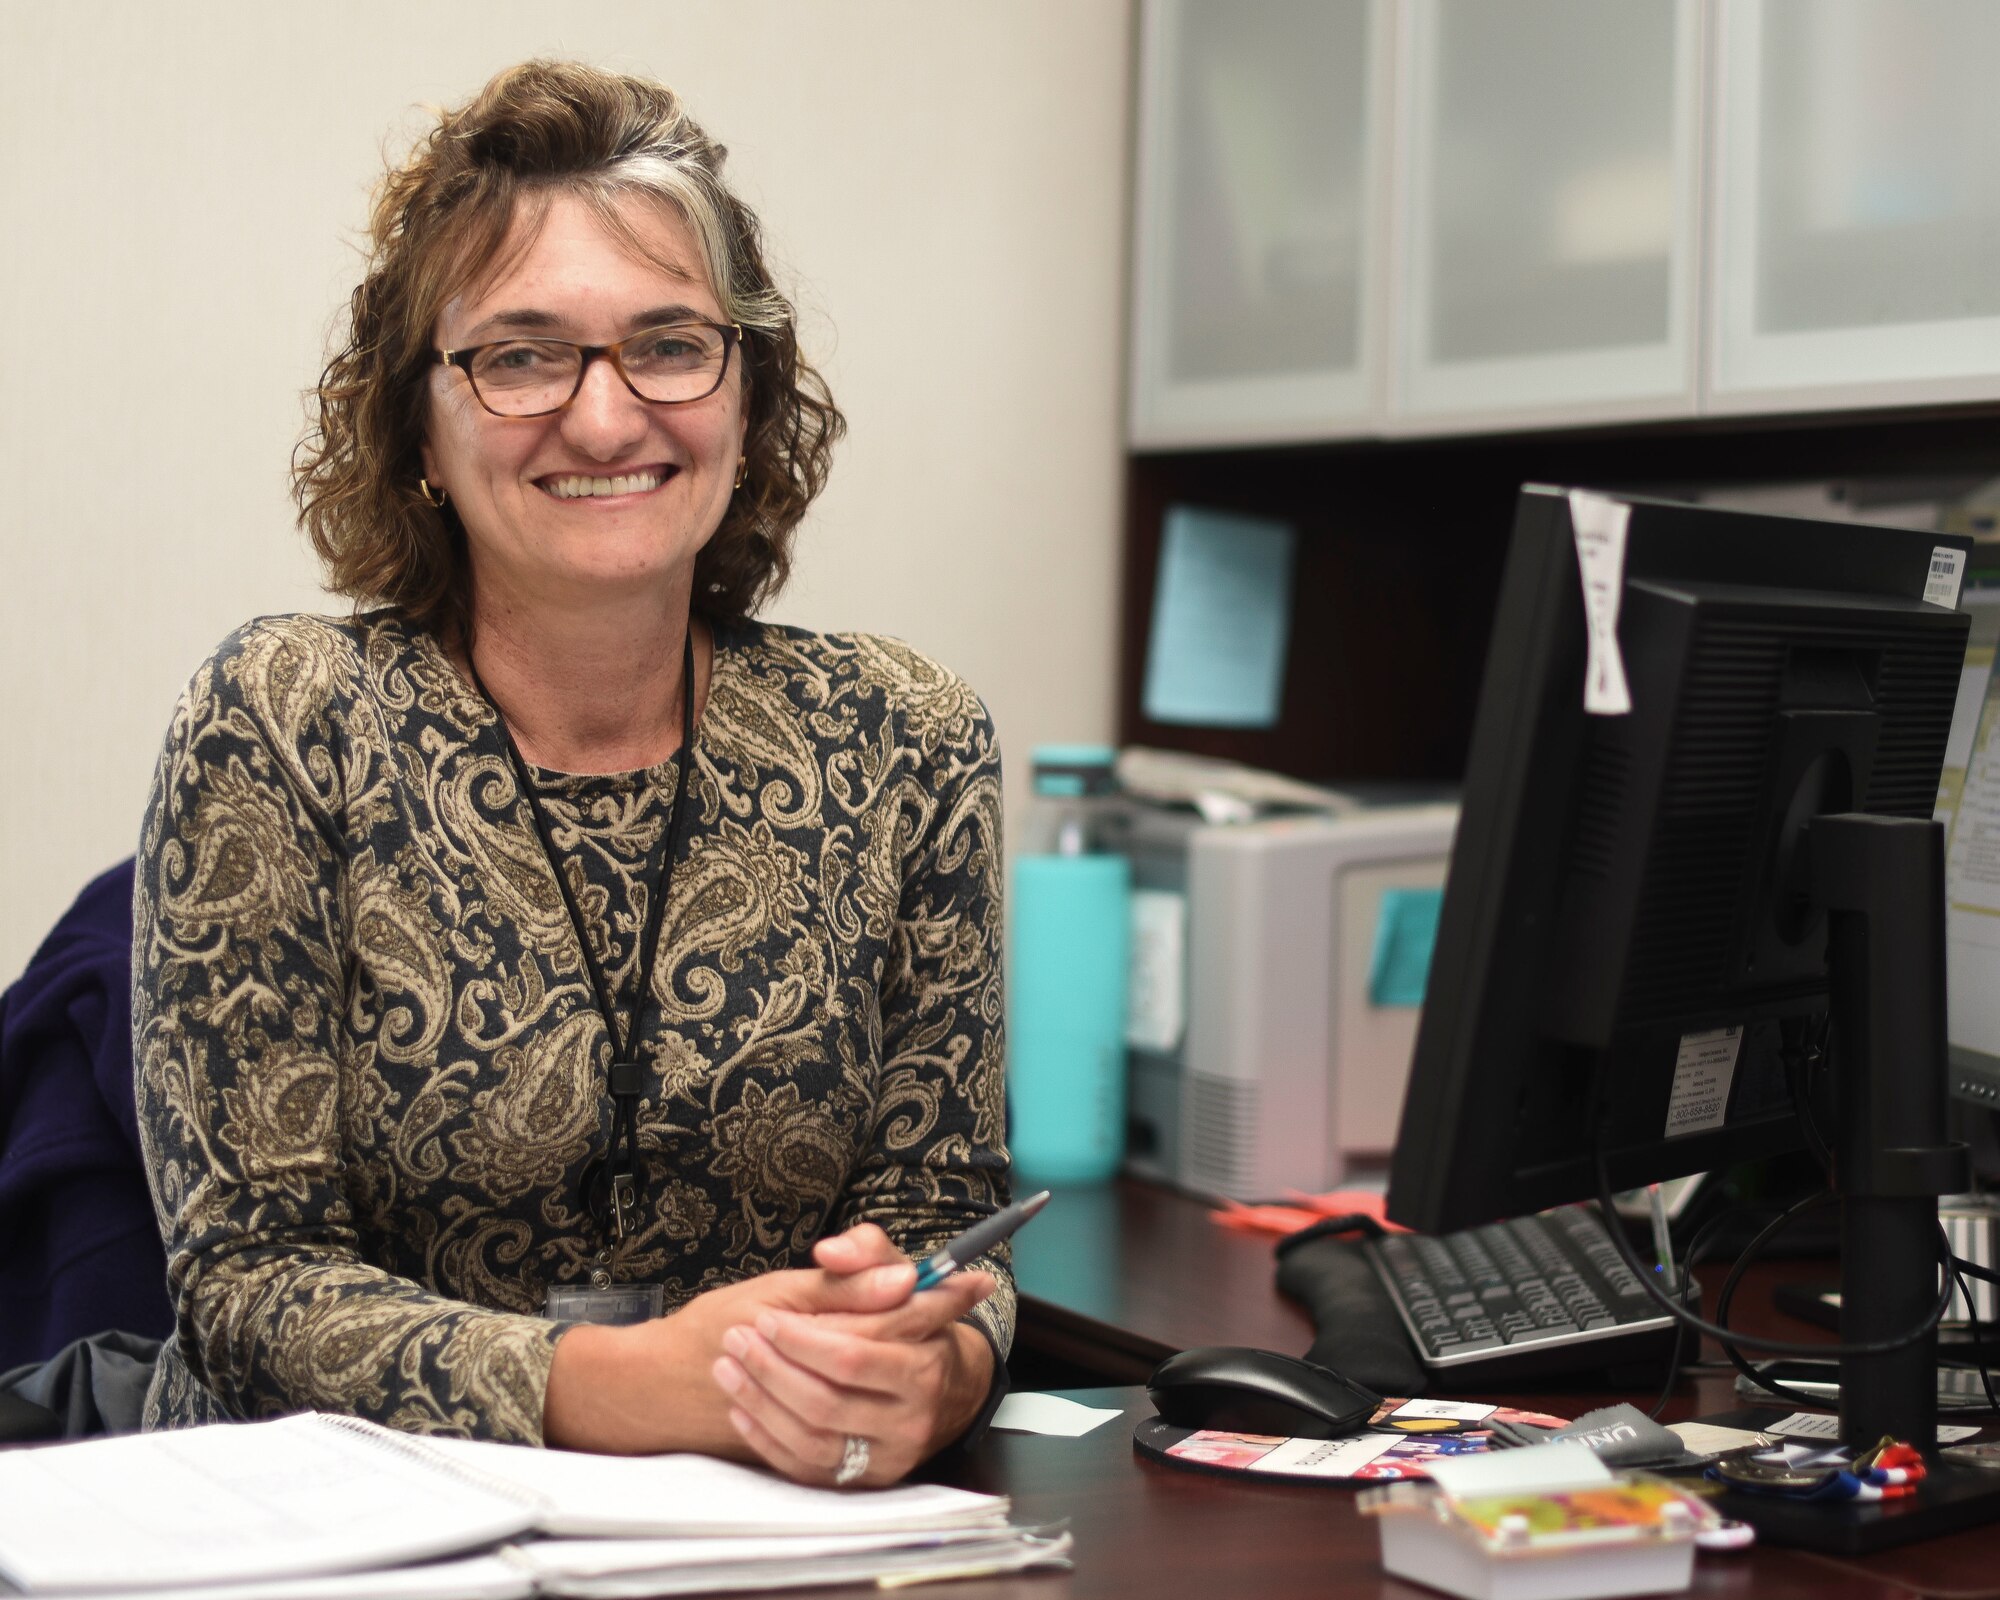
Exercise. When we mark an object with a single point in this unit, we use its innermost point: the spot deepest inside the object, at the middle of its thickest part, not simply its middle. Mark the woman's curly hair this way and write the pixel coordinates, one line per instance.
(441, 222)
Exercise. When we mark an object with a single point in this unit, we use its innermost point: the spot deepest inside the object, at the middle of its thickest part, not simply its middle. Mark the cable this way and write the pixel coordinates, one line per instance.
(1685, 1277)
(1986, 1274)
(1800, 1060)
(1673, 1372)
(1691, 1258)
(1782, 1347)
(1744, 1260)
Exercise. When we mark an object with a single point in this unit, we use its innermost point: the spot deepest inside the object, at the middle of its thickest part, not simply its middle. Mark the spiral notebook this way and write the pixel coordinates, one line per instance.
(311, 1496)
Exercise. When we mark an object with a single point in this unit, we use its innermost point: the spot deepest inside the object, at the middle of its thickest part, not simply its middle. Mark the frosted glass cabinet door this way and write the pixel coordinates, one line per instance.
(1858, 230)
(1261, 144)
(1549, 225)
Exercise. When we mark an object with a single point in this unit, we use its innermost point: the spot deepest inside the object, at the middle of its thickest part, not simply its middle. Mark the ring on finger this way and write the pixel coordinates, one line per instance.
(853, 1460)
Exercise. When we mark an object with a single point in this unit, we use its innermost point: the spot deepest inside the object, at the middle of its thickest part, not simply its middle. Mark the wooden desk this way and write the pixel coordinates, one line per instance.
(1143, 1529)
(1116, 1278)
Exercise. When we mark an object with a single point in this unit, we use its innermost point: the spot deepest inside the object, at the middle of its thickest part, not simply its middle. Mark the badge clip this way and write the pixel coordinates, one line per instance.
(624, 1203)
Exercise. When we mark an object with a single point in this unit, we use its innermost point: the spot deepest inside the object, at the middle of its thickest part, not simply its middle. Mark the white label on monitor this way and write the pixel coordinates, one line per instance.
(1947, 568)
(1156, 996)
(1599, 524)
(1704, 1067)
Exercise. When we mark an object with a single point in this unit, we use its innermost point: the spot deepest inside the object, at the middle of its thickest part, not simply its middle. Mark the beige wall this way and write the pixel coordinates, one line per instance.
(181, 185)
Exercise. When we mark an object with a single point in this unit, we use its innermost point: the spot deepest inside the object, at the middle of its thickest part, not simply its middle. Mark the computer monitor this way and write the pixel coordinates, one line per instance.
(1632, 962)
(1969, 807)
(1625, 889)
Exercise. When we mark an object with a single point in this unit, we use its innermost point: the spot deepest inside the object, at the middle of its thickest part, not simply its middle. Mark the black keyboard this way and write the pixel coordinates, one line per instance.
(1538, 1295)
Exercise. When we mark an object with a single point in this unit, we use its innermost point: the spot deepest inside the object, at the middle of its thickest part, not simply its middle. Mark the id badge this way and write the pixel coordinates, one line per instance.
(617, 1306)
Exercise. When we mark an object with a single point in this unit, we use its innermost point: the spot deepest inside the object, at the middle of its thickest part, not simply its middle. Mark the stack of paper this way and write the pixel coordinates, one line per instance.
(614, 1569)
(315, 1506)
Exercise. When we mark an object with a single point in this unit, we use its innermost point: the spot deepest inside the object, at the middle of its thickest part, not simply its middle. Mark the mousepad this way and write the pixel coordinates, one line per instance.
(1400, 1441)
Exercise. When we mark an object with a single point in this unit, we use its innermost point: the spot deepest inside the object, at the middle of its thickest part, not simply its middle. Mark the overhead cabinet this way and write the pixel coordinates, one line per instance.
(1857, 239)
(1549, 211)
(1368, 217)
(1262, 160)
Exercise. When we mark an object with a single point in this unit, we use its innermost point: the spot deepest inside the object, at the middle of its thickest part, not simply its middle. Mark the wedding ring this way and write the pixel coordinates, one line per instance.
(853, 1460)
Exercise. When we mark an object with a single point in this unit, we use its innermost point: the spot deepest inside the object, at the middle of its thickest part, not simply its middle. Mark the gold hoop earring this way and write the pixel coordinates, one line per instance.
(742, 471)
(436, 498)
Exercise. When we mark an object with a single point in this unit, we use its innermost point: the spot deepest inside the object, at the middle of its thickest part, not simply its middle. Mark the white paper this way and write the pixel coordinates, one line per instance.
(1704, 1068)
(1972, 860)
(299, 1496)
(690, 1494)
(485, 1577)
(1947, 571)
(1711, 1439)
(1327, 1458)
(1537, 1469)
(910, 1562)
(1156, 996)
(1599, 524)
(1450, 1410)
(598, 1558)
(1820, 1425)
(1972, 684)
(1051, 1414)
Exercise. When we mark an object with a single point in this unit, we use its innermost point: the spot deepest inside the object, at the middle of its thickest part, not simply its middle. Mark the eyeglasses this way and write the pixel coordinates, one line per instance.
(668, 365)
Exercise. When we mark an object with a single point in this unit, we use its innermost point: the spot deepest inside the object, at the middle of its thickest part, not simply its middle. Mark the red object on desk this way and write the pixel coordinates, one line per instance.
(1304, 1211)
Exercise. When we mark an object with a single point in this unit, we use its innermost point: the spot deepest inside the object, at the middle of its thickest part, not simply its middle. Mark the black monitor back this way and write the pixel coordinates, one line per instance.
(1625, 889)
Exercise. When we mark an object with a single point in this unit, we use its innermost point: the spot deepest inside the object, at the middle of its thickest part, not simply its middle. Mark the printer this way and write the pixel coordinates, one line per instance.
(1276, 969)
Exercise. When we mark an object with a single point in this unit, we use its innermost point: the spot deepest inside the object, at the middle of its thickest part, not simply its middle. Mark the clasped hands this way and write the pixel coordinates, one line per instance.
(783, 1368)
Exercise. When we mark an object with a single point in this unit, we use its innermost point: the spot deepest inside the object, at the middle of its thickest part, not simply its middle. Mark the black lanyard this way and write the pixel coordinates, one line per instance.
(613, 1186)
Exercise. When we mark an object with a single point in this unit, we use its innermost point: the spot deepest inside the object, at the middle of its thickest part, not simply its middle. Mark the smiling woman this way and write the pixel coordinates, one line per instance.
(576, 487)
(564, 1004)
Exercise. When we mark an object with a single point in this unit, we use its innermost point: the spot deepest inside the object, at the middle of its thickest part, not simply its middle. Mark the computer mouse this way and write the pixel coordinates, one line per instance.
(1257, 1391)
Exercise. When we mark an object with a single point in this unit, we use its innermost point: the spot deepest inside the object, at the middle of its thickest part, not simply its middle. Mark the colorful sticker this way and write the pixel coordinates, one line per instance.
(1373, 1457)
(1396, 1412)
(1411, 1458)
(1575, 1514)
(1216, 1447)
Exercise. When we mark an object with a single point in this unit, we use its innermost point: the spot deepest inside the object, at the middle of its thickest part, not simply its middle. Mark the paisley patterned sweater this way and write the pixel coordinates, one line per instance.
(370, 1072)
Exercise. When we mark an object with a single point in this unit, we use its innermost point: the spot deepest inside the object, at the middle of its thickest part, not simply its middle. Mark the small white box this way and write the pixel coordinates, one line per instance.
(1547, 1523)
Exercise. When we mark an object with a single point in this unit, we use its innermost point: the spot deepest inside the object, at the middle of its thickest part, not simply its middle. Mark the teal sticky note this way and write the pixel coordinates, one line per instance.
(1406, 929)
(1222, 608)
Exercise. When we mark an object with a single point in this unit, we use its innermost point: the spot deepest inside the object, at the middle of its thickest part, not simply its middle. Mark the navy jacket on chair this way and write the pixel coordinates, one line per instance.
(80, 1252)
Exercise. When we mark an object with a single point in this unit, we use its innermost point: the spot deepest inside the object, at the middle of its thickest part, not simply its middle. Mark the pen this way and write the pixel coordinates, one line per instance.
(970, 1245)
(1663, 1239)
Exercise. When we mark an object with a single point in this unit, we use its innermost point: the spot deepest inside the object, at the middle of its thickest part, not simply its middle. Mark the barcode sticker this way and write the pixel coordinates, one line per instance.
(1947, 569)
(1599, 524)
(1704, 1067)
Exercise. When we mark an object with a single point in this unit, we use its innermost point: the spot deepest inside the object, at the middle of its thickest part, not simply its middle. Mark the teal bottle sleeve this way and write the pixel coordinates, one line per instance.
(1070, 936)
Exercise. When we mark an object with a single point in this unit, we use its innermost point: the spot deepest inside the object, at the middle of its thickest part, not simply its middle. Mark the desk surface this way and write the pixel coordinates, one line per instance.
(1143, 1529)
(1115, 1278)
(1118, 1277)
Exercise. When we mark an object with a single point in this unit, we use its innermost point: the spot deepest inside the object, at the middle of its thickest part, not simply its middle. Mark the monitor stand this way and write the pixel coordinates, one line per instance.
(1880, 881)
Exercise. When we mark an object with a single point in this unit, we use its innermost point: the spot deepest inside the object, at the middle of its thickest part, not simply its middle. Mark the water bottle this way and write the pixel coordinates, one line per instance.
(1070, 933)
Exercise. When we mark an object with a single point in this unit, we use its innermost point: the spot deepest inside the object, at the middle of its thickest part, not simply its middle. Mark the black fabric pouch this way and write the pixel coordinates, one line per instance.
(89, 1387)
(1358, 1332)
